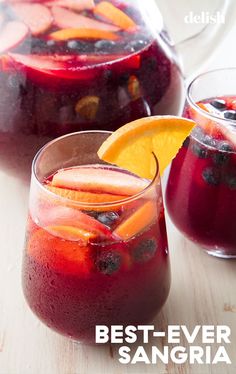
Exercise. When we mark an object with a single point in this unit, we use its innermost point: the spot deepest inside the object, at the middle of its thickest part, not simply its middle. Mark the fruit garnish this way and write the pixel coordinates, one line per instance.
(87, 107)
(134, 87)
(98, 180)
(114, 15)
(82, 33)
(12, 34)
(62, 255)
(78, 5)
(64, 19)
(36, 16)
(71, 233)
(131, 146)
(84, 196)
(138, 221)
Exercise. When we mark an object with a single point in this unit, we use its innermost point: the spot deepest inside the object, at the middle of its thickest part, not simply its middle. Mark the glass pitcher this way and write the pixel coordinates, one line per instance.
(70, 65)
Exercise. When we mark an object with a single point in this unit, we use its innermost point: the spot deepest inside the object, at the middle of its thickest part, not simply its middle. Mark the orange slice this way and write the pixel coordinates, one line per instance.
(131, 146)
(84, 196)
(114, 15)
(83, 33)
(137, 222)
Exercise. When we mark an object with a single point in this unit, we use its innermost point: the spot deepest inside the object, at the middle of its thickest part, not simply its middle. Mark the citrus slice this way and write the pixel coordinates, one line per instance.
(114, 15)
(131, 146)
(71, 233)
(82, 33)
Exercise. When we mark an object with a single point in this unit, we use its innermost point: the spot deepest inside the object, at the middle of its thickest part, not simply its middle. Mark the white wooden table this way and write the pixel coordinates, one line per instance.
(202, 292)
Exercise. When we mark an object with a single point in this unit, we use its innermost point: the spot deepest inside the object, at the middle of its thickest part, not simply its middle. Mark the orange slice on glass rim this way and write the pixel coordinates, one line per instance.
(132, 146)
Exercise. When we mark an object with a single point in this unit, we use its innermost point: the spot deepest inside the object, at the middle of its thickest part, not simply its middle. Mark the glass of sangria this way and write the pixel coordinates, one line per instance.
(96, 248)
(72, 65)
(201, 189)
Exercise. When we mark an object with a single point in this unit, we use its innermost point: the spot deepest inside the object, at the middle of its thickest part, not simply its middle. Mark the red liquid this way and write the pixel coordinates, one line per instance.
(73, 288)
(97, 86)
(201, 190)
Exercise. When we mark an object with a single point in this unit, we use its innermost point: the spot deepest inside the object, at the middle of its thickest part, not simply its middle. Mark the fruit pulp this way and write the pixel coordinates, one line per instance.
(94, 76)
(201, 190)
(97, 265)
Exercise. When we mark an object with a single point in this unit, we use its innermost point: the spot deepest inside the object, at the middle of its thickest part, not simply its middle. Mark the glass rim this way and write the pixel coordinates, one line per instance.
(193, 104)
(81, 204)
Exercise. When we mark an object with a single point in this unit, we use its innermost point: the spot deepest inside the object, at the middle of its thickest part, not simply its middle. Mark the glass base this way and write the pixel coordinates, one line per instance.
(220, 253)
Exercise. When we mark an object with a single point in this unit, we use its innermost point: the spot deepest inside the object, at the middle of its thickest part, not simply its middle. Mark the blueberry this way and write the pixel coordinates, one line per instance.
(51, 43)
(218, 104)
(208, 140)
(211, 176)
(108, 218)
(186, 142)
(145, 250)
(73, 44)
(135, 45)
(222, 157)
(108, 262)
(231, 180)
(91, 213)
(38, 45)
(199, 150)
(230, 114)
(105, 46)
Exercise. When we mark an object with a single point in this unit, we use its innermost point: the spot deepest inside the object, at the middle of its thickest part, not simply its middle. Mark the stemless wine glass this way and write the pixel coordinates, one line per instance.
(201, 190)
(96, 247)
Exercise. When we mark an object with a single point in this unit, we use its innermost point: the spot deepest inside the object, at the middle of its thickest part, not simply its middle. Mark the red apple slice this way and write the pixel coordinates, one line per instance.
(36, 16)
(78, 5)
(12, 34)
(99, 180)
(66, 19)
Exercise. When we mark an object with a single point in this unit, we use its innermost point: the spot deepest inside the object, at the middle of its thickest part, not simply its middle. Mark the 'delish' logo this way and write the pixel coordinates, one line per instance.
(204, 18)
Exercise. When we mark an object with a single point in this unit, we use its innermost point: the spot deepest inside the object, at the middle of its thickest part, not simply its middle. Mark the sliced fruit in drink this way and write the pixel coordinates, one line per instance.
(98, 180)
(36, 16)
(78, 5)
(62, 255)
(87, 107)
(85, 196)
(132, 145)
(138, 221)
(71, 233)
(67, 19)
(114, 15)
(82, 33)
(12, 34)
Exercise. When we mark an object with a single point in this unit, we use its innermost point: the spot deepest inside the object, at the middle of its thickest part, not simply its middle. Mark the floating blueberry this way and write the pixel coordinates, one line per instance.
(222, 157)
(108, 262)
(199, 150)
(105, 46)
(231, 180)
(145, 250)
(135, 45)
(108, 218)
(211, 175)
(91, 213)
(38, 45)
(219, 104)
(230, 114)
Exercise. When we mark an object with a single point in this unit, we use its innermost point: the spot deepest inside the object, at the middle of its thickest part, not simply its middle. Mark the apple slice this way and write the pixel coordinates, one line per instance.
(85, 196)
(64, 19)
(82, 33)
(99, 180)
(71, 233)
(78, 5)
(36, 16)
(12, 34)
(138, 221)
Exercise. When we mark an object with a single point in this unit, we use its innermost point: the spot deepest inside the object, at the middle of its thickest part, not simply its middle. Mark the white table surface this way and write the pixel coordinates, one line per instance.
(202, 292)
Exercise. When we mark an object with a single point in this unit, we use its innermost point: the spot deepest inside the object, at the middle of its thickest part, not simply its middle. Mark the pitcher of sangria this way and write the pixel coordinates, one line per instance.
(70, 65)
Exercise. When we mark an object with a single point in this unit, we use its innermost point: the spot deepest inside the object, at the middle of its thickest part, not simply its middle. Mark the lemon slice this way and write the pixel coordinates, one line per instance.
(131, 146)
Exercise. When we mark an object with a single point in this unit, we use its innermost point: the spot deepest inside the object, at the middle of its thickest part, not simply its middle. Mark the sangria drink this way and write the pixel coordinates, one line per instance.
(201, 190)
(96, 248)
(69, 65)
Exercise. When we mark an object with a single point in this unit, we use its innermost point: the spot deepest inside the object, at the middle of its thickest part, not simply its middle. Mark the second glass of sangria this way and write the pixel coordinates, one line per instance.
(201, 190)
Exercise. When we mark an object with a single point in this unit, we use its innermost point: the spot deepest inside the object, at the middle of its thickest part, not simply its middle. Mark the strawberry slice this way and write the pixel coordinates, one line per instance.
(36, 16)
(69, 257)
(99, 180)
(82, 33)
(12, 34)
(138, 221)
(114, 15)
(64, 19)
(78, 5)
